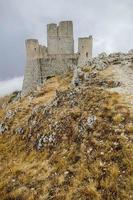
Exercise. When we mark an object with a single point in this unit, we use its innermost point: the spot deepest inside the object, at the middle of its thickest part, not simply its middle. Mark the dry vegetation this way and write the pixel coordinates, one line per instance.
(85, 162)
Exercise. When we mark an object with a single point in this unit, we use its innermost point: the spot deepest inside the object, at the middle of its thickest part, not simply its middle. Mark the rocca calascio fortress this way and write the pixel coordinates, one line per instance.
(57, 58)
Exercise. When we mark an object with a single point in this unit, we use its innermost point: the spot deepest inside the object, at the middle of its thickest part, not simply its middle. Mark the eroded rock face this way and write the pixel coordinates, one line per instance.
(89, 71)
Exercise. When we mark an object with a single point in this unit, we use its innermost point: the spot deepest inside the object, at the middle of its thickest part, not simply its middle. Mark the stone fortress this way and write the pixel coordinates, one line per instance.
(57, 58)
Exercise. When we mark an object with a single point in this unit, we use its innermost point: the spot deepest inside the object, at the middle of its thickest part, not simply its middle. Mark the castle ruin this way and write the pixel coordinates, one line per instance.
(57, 58)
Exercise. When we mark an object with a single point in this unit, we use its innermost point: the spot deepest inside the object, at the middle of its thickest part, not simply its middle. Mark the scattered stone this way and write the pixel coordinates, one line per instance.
(101, 164)
(45, 140)
(89, 150)
(13, 180)
(15, 96)
(40, 143)
(91, 120)
(3, 128)
(20, 131)
(30, 98)
(102, 55)
(4, 105)
(9, 114)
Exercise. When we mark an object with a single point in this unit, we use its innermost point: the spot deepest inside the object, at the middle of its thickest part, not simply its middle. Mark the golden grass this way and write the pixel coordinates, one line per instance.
(93, 165)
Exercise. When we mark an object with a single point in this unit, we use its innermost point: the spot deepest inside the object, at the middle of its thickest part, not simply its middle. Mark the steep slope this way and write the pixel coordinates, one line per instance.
(67, 142)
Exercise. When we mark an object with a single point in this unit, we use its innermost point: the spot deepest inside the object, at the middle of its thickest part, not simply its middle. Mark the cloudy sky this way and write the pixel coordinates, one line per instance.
(110, 23)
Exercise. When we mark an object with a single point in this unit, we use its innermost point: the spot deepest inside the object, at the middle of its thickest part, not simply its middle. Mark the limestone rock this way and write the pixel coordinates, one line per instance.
(9, 114)
(45, 140)
(15, 96)
(3, 128)
(102, 55)
(91, 120)
(20, 130)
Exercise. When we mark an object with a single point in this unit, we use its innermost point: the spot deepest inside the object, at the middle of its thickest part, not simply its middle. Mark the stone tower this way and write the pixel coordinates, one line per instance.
(84, 49)
(60, 38)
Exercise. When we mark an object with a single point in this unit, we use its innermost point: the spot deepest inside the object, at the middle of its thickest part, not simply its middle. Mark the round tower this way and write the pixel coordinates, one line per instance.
(32, 48)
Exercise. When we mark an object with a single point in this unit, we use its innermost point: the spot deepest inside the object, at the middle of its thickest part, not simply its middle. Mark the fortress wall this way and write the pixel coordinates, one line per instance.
(57, 64)
(84, 49)
(52, 38)
(65, 38)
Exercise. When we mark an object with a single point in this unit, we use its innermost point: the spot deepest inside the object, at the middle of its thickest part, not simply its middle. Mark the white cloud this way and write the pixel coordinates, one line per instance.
(11, 85)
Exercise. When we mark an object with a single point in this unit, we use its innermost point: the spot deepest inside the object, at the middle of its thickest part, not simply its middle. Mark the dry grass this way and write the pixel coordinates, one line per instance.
(93, 164)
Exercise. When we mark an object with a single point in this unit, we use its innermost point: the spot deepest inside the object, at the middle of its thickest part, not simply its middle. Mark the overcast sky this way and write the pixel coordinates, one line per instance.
(109, 21)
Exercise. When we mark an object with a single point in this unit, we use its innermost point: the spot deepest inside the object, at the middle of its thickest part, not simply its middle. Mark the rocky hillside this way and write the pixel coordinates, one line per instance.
(72, 138)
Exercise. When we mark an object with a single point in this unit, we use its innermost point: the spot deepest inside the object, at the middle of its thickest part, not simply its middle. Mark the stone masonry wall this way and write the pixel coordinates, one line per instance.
(58, 64)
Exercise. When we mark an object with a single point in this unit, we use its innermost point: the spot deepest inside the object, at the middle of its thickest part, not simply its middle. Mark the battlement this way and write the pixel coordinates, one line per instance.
(57, 58)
